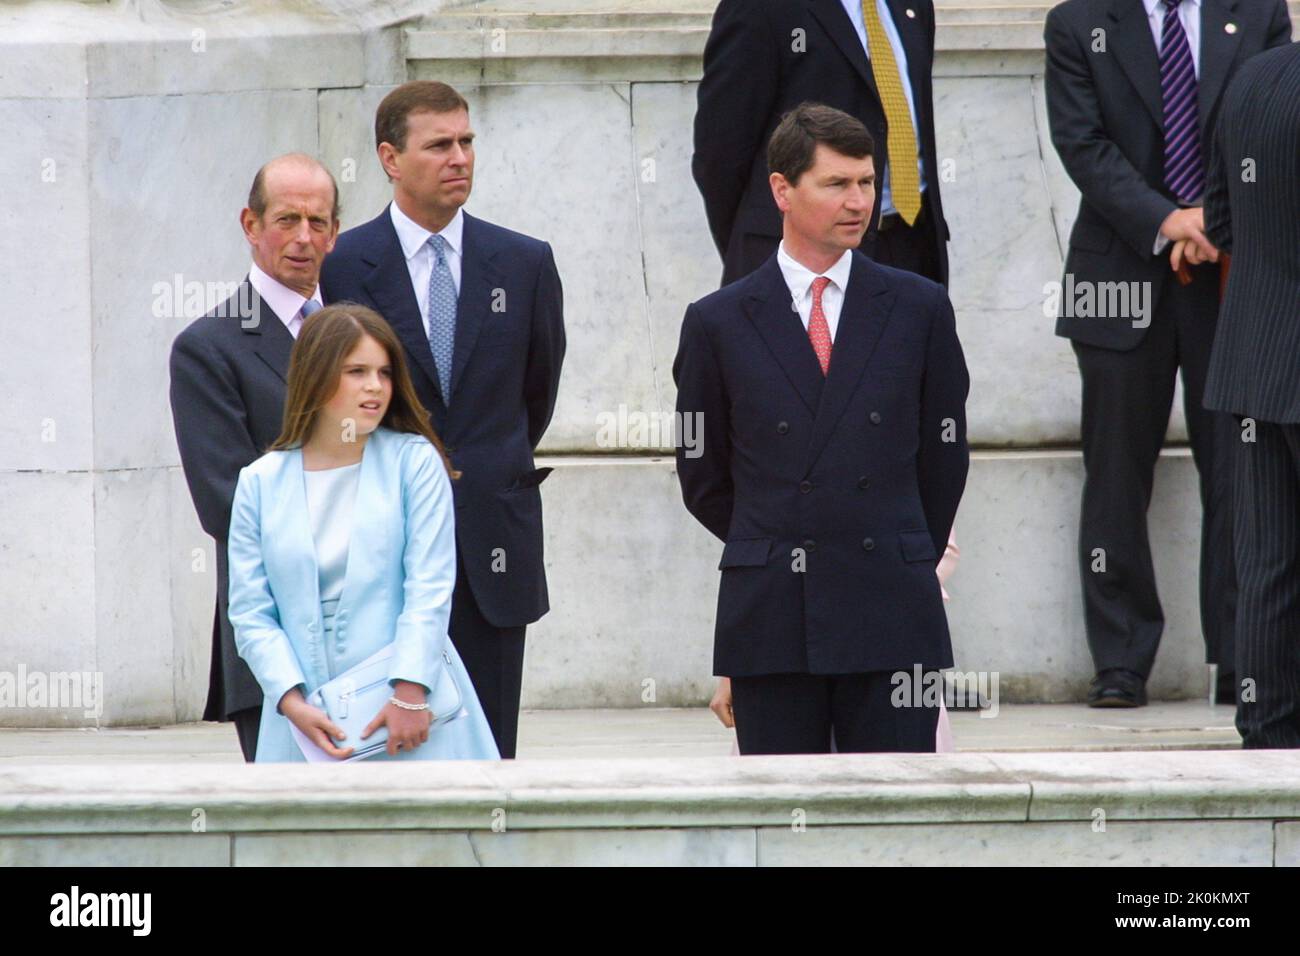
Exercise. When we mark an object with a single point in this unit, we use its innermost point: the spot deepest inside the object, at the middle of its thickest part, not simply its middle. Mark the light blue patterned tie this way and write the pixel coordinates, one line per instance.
(442, 315)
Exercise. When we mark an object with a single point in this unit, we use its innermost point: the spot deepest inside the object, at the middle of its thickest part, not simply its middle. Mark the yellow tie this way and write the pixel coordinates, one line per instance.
(904, 180)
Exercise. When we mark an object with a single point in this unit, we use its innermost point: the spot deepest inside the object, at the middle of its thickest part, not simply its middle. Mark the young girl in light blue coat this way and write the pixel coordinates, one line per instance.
(342, 542)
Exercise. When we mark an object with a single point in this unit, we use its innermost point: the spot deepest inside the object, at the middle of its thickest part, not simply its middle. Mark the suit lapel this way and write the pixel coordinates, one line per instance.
(1218, 48)
(300, 540)
(1135, 51)
(479, 281)
(838, 26)
(914, 47)
(771, 310)
(273, 343)
(368, 494)
(389, 287)
(868, 303)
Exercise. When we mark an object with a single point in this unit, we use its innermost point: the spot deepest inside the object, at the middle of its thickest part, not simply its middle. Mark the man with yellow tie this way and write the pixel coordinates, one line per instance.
(868, 58)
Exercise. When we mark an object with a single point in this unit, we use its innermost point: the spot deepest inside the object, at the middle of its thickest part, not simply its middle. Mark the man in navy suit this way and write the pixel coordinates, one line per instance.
(870, 58)
(829, 393)
(480, 311)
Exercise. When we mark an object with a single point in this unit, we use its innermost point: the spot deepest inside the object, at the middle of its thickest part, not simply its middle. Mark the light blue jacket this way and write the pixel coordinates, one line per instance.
(401, 572)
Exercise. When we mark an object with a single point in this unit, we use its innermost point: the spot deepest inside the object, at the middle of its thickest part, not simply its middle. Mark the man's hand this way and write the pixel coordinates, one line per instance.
(1187, 227)
(721, 703)
(1186, 252)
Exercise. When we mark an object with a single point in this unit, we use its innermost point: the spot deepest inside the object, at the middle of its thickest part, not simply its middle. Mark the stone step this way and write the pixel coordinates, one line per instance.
(557, 31)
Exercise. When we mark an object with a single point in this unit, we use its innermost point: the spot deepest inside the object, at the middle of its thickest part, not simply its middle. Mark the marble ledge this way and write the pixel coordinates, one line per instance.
(832, 790)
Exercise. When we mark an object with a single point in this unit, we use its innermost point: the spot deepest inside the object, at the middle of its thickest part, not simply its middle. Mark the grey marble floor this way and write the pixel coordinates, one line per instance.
(1184, 725)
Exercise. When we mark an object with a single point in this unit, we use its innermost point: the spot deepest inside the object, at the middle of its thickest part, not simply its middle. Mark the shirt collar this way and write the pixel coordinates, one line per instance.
(414, 236)
(284, 302)
(800, 278)
(1152, 4)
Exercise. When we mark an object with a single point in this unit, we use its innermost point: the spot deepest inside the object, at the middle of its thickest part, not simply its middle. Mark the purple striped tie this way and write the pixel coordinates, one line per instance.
(1184, 174)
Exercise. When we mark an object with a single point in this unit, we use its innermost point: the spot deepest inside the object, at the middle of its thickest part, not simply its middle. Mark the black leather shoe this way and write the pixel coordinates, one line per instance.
(1225, 691)
(1117, 688)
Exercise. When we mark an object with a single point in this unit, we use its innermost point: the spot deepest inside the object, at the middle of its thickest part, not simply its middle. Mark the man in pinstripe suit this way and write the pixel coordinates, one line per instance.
(1252, 209)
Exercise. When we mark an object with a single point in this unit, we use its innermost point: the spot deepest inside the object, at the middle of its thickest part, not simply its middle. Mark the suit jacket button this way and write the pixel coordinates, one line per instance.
(311, 628)
(810, 545)
(782, 427)
(875, 418)
(805, 486)
(867, 544)
(863, 483)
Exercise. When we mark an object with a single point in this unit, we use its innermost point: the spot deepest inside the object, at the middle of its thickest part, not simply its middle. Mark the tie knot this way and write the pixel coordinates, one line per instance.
(309, 307)
(1172, 4)
(819, 286)
(438, 245)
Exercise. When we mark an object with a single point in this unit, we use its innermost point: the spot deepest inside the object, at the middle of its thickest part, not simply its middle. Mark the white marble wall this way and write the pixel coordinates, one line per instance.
(135, 142)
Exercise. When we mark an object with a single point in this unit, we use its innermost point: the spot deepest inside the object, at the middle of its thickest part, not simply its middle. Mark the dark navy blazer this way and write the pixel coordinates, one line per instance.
(505, 376)
(835, 495)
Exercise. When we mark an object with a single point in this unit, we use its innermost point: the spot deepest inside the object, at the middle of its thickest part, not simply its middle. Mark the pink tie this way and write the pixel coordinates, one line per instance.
(818, 330)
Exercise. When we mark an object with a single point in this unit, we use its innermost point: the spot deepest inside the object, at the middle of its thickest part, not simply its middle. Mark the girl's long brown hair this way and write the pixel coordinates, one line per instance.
(326, 339)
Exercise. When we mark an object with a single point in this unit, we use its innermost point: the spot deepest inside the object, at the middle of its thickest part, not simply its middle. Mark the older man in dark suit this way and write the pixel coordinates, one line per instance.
(1252, 209)
(870, 58)
(1133, 87)
(830, 396)
(480, 311)
(228, 374)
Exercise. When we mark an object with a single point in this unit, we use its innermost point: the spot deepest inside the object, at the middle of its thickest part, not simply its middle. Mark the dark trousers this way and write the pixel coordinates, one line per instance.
(909, 247)
(1126, 401)
(247, 723)
(494, 657)
(1267, 505)
(803, 713)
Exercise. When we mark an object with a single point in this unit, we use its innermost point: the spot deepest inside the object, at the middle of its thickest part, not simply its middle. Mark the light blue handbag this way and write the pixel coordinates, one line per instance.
(352, 700)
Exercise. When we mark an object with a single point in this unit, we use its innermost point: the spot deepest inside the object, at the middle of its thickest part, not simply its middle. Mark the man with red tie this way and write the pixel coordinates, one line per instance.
(829, 393)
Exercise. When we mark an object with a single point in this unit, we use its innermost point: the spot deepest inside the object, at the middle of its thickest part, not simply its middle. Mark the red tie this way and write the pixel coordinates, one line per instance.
(818, 330)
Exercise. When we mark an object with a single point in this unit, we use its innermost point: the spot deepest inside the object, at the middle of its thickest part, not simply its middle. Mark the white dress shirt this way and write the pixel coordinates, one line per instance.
(284, 302)
(800, 279)
(419, 254)
(854, 9)
(1189, 12)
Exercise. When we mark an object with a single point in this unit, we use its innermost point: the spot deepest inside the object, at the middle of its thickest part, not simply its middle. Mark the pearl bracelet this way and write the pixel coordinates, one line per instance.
(405, 706)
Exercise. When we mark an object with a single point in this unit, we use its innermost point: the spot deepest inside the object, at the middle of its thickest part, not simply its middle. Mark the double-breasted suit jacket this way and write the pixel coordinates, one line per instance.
(834, 494)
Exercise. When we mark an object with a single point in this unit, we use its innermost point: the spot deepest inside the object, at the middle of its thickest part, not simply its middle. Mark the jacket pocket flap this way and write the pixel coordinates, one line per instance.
(917, 546)
(745, 553)
(530, 479)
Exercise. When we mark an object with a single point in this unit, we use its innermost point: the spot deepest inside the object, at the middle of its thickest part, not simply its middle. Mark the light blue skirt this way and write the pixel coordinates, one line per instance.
(467, 737)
